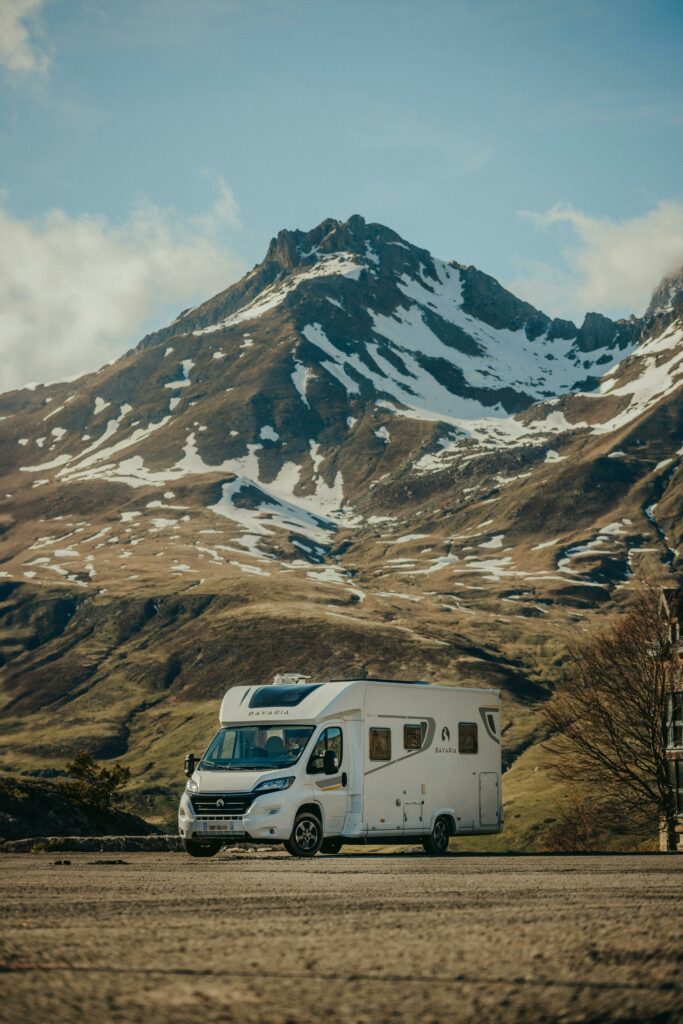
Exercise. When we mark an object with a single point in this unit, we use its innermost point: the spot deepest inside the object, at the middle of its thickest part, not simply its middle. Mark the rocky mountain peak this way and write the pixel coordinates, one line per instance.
(290, 249)
(599, 332)
(668, 295)
(401, 325)
(303, 255)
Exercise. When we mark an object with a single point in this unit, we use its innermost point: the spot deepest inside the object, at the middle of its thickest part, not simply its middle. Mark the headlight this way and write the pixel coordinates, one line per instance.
(274, 785)
(192, 786)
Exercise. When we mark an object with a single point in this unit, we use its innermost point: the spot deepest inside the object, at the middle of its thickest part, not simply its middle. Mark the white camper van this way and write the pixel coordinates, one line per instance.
(317, 765)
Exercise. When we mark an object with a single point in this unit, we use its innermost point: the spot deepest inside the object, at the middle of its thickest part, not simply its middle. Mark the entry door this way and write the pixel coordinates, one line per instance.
(331, 791)
(382, 779)
(488, 798)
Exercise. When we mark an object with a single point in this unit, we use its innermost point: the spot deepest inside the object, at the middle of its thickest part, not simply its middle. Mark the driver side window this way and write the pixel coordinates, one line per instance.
(329, 739)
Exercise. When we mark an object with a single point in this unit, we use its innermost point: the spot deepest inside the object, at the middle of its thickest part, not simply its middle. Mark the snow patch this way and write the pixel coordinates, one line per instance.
(300, 378)
(184, 381)
(494, 542)
(409, 537)
(270, 510)
(336, 264)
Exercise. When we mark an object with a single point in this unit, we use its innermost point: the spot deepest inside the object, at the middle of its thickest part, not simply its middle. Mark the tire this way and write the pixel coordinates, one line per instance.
(202, 847)
(331, 846)
(307, 835)
(436, 843)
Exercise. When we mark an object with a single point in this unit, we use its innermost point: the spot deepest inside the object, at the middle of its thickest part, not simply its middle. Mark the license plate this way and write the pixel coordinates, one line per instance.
(222, 826)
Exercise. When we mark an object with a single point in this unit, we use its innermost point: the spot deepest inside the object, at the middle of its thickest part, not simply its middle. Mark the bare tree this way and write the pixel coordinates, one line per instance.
(608, 715)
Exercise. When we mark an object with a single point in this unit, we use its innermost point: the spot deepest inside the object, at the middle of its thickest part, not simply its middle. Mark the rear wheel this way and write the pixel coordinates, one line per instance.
(307, 836)
(202, 847)
(437, 842)
(331, 846)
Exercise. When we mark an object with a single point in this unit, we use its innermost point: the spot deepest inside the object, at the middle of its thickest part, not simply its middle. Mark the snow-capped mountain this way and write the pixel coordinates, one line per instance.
(373, 455)
(345, 352)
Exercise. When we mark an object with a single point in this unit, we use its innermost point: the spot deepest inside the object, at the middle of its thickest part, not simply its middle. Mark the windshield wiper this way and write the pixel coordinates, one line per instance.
(253, 766)
(212, 764)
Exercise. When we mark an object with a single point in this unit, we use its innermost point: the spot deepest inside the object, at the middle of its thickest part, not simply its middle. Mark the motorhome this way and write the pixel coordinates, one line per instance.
(315, 765)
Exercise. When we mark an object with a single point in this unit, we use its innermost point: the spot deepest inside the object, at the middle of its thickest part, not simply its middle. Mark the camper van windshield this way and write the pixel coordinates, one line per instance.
(250, 747)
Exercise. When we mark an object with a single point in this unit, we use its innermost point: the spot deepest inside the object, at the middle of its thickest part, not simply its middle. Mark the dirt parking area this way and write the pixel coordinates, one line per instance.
(354, 938)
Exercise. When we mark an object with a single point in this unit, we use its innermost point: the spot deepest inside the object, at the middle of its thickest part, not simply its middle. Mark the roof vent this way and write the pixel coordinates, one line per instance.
(289, 679)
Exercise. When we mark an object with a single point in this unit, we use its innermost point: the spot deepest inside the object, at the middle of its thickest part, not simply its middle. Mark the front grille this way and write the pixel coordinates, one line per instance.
(234, 804)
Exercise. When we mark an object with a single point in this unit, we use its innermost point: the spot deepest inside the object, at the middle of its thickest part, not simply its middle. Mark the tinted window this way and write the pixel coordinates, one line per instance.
(468, 739)
(280, 696)
(380, 744)
(329, 739)
(412, 737)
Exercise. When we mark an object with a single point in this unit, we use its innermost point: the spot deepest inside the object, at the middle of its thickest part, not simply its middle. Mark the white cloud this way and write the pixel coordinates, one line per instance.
(225, 210)
(18, 50)
(613, 266)
(76, 292)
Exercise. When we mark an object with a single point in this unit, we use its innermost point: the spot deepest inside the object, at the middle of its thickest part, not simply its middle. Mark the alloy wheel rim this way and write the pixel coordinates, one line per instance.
(306, 834)
(440, 835)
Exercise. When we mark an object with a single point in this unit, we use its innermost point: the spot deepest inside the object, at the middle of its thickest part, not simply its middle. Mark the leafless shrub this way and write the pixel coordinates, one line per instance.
(578, 829)
(587, 824)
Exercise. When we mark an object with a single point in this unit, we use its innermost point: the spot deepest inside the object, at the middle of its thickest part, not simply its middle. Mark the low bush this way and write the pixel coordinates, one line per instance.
(94, 784)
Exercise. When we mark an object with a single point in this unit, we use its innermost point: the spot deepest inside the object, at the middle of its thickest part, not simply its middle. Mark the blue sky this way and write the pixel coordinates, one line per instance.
(540, 140)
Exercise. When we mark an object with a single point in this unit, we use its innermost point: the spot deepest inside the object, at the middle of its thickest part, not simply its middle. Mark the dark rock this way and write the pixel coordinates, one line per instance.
(94, 844)
(29, 808)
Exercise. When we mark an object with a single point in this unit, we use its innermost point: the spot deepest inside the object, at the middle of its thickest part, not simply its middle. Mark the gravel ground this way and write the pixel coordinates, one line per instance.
(355, 938)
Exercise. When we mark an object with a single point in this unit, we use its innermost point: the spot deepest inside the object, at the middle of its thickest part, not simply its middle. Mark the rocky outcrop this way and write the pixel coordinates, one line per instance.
(30, 808)
(94, 844)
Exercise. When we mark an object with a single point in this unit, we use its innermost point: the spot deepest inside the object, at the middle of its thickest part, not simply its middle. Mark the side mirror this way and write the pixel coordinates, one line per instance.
(329, 762)
(189, 764)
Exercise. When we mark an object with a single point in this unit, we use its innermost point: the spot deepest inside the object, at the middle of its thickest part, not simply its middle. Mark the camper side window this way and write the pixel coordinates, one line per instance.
(380, 744)
(468, 739)
(329, 739)
(412, 737)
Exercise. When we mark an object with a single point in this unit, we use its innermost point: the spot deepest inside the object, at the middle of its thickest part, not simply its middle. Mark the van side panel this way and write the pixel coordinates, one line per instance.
(404, 788)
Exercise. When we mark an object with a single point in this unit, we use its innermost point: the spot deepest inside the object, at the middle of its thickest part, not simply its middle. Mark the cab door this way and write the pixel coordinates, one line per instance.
(330, 790)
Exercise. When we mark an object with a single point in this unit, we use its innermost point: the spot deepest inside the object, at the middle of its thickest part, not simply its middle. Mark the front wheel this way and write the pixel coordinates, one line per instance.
(201, 847)
(437, 842)
(307, 836)
(331, 846)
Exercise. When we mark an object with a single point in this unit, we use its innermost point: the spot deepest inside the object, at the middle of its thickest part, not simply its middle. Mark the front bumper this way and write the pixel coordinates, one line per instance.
(267, 819)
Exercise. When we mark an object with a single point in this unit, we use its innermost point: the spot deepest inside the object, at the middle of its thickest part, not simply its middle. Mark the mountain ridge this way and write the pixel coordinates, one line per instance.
(484, 296)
